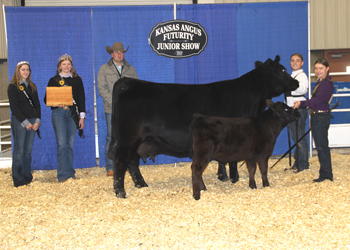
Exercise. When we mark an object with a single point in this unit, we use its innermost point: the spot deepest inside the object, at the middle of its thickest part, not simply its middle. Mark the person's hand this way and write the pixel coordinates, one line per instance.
(81, 123)
(60, 105)
(29, 126)
(296, 104)
(35, 126)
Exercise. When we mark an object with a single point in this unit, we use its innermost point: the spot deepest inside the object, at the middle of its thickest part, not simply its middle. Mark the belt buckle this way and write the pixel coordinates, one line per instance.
(66, 108)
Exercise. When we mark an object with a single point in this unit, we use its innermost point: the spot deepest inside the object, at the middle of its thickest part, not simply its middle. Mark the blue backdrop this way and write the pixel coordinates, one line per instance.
(41, 36)
(265, 30)
(132, 32)
(238, 35)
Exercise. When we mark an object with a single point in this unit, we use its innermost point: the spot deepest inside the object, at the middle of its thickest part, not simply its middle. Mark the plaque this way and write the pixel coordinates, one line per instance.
(59, 95)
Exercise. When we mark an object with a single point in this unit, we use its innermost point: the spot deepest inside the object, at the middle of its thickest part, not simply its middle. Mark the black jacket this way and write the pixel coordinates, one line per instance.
(77, 89)
(19, 103)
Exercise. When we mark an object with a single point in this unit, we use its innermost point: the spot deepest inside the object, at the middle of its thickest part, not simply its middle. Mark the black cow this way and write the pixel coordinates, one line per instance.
(152, 118)
(236, 139)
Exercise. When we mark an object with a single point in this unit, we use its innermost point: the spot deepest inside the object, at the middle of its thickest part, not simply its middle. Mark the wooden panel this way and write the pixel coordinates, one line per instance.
(3, 47)
(330, 24)
(341, 37)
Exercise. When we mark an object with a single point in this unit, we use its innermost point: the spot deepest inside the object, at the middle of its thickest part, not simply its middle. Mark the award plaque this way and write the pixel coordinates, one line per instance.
(59, 95)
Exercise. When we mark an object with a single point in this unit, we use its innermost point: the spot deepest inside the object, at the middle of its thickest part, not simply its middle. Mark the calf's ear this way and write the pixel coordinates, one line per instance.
(269, 103)
(257, 64)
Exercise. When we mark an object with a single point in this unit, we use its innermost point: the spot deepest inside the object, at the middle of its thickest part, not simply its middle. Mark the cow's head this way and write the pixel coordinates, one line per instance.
(276, 77)
(283, 111)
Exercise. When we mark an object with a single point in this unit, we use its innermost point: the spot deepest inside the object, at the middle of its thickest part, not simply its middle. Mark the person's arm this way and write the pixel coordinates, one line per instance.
(102, 85)
(81, 123)
(322, 96)
(303, 84)
(80, 98)
(35, 126)
(37, 108)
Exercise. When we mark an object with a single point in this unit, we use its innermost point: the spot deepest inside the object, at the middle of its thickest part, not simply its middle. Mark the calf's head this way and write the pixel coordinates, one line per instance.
(279, 81)
(283, 111)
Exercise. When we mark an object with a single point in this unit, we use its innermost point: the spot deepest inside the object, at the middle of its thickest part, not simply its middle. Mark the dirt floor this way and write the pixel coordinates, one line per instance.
(293, 213)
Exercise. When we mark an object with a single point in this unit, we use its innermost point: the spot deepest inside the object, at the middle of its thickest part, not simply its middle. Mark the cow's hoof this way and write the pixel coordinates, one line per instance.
(141, 185)
(120, 195)
(222, 177)
(196, 197)
(234, 180)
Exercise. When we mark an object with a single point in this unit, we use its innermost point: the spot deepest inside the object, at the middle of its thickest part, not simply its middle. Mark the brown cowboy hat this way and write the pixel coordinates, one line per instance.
(117, 46)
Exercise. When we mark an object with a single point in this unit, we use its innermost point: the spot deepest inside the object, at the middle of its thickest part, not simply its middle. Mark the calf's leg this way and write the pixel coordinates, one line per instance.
(197, 180)
(222, 174)
(263, 166)
(251, 169)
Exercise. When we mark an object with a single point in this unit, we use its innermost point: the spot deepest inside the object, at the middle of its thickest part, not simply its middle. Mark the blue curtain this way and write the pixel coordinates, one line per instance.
(265, 30)
(41, 36)
(238, 35)
(218, 61)
(123, 24)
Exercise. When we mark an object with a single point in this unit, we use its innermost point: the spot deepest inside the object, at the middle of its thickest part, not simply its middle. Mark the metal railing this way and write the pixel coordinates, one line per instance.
(5, 139)
(4, 103)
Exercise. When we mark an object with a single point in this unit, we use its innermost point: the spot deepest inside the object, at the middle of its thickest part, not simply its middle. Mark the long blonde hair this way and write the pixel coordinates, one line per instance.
(16, 78)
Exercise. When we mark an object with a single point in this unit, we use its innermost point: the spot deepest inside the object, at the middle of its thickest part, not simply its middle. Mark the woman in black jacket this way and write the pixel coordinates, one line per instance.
(25, 122)
(67, 119)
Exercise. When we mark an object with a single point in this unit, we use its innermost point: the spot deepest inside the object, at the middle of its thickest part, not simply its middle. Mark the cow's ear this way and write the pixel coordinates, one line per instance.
(257, 64)
(277, 59)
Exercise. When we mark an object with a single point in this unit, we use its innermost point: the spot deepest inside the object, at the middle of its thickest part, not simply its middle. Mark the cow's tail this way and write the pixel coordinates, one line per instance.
(193, 122)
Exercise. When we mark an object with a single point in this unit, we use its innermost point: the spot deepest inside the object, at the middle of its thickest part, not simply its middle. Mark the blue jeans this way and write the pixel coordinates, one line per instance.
(109, 162)
(22, 152)
(65, 131)
(303, 158)
(319, 125)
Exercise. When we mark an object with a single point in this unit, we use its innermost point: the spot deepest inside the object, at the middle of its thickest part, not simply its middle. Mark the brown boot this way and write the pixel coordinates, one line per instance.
(110, 173)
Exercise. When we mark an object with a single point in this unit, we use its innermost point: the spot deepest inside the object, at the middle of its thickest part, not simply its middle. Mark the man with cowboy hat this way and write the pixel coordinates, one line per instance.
(108, 74)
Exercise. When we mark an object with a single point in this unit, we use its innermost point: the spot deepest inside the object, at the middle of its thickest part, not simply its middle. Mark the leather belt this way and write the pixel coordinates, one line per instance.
(312, 111)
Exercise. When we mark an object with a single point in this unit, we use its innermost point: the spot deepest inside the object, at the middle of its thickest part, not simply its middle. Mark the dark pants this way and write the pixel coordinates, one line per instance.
(109, 162)
(22, 152)
(303, 156)
(319, 125)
